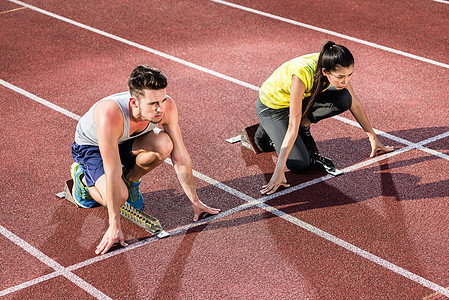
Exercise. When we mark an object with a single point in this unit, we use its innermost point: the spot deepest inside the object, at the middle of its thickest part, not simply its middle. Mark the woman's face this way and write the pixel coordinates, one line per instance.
(339, 77)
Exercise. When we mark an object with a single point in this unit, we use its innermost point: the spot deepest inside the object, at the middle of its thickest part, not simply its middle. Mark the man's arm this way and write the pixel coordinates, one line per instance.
(359, 114)
(109, 121)
(181, 160)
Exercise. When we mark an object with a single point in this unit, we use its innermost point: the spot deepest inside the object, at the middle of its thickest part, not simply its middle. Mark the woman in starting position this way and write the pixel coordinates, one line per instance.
(300, 92)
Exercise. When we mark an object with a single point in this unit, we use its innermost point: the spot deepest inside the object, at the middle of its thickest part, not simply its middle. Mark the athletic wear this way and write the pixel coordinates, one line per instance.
(86, 130)
(85, 150)
(275, 123)
(92, 162)
(307, 138)
(275, 91)
(135, 196)
(79, 191)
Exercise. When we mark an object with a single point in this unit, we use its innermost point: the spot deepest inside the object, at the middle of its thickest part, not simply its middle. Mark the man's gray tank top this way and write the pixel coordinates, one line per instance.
(86, 130)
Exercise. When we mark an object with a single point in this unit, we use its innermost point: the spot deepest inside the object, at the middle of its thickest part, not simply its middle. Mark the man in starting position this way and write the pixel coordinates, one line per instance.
(120, 139)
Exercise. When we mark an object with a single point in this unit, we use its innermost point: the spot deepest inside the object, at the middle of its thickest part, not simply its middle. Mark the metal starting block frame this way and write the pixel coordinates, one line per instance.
(138, 217)
(246, 138)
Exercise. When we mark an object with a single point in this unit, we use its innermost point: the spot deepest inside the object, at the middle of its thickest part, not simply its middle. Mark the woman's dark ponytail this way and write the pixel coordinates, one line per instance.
(331, 57)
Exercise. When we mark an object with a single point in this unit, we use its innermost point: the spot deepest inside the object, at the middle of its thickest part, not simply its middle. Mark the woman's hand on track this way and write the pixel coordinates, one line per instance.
(275, 182)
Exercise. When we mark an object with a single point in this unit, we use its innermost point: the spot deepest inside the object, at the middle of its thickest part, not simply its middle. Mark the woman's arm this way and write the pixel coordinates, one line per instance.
(361, 117)
(278, 178)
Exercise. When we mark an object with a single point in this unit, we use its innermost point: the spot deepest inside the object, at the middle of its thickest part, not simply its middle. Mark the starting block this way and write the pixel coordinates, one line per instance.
(138, 217)
(246, 138)
(324, 164)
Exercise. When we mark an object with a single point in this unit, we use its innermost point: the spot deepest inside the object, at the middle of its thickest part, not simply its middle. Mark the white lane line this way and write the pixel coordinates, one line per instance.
(29, 283)
(173, 231)
(152, 51)
(136, 45)
(250, 202)
(40, 100)
(184, 62)
(60, 270)
(12, 10)
(419, 145)
(377, 260)
(333, 33)
(197, 67)
(442, 1)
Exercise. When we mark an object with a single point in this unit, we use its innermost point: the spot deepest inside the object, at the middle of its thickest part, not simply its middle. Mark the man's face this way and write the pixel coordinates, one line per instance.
(151, 105)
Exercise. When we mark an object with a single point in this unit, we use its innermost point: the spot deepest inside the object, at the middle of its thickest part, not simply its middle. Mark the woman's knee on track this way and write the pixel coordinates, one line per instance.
(298, 165)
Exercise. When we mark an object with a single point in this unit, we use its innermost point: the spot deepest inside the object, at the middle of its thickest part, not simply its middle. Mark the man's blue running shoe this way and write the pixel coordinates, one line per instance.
(80, 192)
(135, 197)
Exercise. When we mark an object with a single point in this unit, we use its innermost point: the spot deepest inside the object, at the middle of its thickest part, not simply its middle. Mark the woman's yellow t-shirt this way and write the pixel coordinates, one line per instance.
(275, 91)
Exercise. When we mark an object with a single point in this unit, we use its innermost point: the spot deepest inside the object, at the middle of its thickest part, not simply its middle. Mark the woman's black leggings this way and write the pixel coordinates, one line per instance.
(275, 122)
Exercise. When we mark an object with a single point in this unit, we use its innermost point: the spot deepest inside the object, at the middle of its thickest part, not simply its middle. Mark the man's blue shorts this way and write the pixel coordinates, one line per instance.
(90, 159)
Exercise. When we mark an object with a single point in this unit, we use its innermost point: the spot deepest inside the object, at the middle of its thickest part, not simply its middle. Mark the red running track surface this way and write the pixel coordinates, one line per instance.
(377, 232)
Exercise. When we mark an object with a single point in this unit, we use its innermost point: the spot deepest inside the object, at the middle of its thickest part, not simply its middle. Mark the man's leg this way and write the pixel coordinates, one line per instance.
(98, 191)
(88, 173)
(139, 156)
(80, 192)
(94, 177)
(148, 152)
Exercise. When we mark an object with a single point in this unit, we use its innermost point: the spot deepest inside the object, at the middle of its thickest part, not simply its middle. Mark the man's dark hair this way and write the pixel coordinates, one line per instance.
(146, 77)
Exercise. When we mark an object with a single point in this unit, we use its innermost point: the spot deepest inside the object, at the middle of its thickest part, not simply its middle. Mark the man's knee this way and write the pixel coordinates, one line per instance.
(164, 145)
(158, 144)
